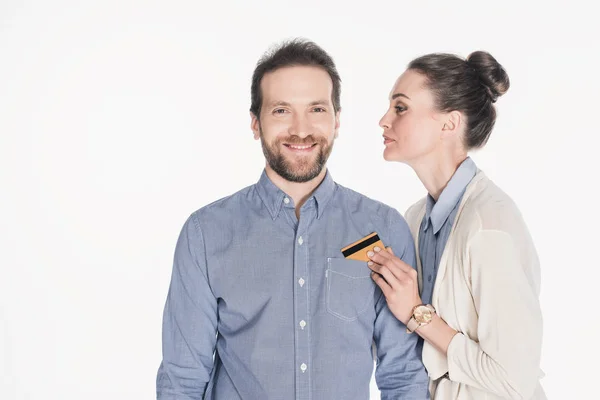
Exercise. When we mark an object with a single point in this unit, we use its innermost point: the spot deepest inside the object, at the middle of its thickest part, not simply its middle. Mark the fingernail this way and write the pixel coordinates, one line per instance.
(376, 248)
(370, 253)
(370, 263)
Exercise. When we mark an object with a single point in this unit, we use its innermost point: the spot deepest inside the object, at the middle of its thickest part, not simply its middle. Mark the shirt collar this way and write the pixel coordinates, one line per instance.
(274, 198)
(438, 212)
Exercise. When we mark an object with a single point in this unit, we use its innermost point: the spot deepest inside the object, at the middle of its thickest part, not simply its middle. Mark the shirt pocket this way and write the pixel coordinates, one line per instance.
(349, 288)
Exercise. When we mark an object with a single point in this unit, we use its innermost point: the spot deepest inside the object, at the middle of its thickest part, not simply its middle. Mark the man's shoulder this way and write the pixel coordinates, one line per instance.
(226, 206)
(385, 219)
(360, 202)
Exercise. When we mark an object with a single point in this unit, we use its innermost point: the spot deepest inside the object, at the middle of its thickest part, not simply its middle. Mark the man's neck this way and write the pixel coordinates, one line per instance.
(298, 192)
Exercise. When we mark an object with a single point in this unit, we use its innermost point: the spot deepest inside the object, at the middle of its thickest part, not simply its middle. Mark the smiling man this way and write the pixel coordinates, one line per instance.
(263, 304)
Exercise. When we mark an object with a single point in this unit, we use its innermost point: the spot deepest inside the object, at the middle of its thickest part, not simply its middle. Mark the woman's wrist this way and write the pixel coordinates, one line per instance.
(409, 313)
(437, 333)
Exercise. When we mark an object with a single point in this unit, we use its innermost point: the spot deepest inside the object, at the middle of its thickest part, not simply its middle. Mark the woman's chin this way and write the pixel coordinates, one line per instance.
(391, 155)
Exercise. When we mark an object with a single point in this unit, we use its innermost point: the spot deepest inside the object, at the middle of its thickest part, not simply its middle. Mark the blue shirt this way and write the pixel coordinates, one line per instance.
(285, 315)
(437, 224)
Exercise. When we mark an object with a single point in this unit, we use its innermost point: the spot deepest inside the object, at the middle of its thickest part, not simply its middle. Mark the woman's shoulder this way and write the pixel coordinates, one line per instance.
(488, 207)
(413, 212)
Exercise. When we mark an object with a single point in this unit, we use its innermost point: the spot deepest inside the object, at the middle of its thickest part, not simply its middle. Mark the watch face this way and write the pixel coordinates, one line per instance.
(422, 314)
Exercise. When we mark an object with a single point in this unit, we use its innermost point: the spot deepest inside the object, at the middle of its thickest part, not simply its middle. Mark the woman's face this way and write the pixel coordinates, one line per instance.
(412, 126)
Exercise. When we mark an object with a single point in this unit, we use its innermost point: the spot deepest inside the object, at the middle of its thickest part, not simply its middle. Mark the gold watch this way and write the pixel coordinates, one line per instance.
(421, 316)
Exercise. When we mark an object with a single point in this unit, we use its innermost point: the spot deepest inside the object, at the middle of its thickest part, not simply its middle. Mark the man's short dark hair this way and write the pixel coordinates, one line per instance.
(296, 52)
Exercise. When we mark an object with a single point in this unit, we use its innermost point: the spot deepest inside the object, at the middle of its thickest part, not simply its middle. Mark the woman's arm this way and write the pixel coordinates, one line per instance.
(505, 359)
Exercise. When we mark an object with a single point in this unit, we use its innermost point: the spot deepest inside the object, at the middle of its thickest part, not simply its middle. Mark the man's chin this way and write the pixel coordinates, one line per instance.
(302, 170)
(301, 175)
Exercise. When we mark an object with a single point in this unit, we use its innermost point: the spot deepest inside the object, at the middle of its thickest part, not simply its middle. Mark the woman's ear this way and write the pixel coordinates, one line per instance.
(452, 124)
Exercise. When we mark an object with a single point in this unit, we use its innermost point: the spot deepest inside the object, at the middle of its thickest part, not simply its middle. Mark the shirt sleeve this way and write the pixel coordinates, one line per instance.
(189, 321)
(400, 373)
(505, 360)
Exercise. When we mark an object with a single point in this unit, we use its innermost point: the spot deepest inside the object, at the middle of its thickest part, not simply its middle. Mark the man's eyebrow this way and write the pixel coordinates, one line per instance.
(286, 104)
(279, 103)
(319, 103)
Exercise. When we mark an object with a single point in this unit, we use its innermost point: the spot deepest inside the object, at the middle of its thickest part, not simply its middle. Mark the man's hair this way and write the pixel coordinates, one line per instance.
(295, 52)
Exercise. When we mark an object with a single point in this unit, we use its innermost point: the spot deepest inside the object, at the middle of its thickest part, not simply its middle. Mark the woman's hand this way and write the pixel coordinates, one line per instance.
(397, 280)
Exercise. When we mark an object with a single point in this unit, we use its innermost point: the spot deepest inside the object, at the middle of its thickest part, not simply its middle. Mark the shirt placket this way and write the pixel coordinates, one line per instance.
(302, 304)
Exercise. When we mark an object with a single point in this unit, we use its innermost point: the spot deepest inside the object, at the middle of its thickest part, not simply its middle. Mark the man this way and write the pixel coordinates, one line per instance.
(259, 280)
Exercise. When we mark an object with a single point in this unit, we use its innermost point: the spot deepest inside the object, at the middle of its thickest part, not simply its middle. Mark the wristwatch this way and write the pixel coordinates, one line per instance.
(421, 316)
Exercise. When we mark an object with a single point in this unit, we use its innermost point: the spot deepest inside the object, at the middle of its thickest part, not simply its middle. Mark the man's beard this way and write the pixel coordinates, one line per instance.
(303, 170)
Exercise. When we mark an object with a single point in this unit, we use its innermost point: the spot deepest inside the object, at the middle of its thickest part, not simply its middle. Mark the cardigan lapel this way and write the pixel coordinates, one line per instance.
(416, 231)
(444, 260)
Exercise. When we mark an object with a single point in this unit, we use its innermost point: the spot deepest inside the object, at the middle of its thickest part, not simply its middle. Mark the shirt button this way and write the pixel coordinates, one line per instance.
(286, 200)
(300, 240)
(303, 367)
(302, 324)
(301, 282)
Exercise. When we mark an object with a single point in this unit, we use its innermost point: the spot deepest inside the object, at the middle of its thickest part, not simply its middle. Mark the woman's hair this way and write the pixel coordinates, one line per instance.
(470, 86)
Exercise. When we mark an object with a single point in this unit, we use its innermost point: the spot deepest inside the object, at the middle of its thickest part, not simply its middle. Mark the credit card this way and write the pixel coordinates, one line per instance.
(358, 250)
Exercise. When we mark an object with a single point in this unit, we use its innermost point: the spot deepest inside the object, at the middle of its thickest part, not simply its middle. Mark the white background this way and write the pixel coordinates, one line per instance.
(120, 118)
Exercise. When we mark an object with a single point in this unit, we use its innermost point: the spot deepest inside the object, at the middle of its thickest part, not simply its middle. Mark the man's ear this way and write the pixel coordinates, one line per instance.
(255, 125)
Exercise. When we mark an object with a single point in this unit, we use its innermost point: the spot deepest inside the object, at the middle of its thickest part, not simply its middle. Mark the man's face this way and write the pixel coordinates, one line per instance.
(297, 123)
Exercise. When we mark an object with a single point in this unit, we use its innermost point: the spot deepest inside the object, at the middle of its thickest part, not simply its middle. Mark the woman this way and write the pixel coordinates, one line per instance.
(474, 300)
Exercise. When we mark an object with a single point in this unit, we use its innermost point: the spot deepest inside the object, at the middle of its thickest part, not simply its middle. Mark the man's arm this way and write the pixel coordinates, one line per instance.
(400, 373)
(189, 321)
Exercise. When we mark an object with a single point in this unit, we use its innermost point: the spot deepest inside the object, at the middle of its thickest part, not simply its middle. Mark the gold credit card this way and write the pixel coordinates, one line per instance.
(358, 250)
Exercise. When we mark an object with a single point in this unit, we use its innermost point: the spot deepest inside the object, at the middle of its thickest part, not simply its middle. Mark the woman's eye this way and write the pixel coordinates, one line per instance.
(400, 109)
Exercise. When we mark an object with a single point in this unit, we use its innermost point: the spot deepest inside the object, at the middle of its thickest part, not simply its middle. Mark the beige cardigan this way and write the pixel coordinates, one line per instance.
(487, 288)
